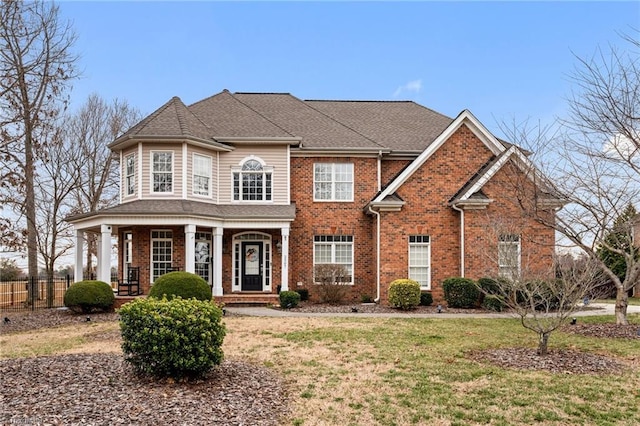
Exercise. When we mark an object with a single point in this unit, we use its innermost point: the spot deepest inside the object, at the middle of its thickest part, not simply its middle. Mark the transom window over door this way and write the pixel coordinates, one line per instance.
(420, 260)
(252, 182)
(162, 171)
(333, 182)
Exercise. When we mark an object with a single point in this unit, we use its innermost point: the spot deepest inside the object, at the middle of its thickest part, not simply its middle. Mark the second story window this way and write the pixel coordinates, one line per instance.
(130, 174)
(162, 171)
(252, 182)
(333, 182)
(201, 175)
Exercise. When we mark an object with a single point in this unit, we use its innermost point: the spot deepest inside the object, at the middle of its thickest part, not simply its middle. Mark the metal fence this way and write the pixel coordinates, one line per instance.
(36, 292)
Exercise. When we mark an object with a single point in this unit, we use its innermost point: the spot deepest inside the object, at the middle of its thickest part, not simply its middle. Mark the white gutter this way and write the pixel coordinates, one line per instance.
(461, 238)
(377, 299)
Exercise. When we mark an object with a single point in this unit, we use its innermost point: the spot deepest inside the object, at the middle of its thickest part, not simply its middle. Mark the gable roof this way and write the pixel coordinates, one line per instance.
(465, 117)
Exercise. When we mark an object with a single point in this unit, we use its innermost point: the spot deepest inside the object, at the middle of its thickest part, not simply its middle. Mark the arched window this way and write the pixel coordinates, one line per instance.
(252, 182)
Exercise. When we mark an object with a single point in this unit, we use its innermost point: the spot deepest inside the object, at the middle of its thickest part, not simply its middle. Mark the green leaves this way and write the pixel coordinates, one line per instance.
(172, 338)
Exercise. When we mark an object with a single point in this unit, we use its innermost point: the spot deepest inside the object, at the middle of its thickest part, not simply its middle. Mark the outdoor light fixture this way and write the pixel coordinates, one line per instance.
(279, 247)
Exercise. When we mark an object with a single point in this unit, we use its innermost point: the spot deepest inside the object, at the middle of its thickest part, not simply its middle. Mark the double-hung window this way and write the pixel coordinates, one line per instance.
(161, 253)
(252, 182)
(130, 174)
(162, 171)
(334, 250)
(420, 260)
(201, 175)
(333, 182)
(509, 256)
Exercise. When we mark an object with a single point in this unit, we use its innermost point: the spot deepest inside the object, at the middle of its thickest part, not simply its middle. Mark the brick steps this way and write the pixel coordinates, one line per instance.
(237, 299)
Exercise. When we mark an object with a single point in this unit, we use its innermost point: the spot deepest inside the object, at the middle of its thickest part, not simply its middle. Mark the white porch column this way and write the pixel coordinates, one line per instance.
(284, 270)
(190, 248)
(217, 261)
(104, 254)
(79, 248)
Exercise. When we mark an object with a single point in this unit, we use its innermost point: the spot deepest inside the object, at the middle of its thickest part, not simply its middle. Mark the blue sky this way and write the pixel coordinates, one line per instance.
(501, 60)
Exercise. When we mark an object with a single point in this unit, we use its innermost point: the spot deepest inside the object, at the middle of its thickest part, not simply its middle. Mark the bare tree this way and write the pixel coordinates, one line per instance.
(36, 68)
(592, 160)
(90, 130)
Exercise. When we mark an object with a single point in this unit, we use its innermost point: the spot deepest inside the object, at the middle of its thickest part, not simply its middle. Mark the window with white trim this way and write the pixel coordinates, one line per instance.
(252, 181)
(509, 256)
(333, 182)
(334, 250)
(201, 175)
(420, 260)
(130, 174)
(161, 253)
(162, 171)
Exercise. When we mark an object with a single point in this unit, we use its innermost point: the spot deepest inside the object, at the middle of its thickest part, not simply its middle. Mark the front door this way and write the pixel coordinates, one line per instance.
(252, 266)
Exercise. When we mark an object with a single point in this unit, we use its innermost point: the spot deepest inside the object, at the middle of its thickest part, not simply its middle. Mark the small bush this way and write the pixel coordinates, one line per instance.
(183, 284)
(365, 298)
(404, 294)
(493, 303)
(172, 338)
(89, 296)
(289, 299)
(332, 282)
(460, 292)
(426, 298)
(304, 294)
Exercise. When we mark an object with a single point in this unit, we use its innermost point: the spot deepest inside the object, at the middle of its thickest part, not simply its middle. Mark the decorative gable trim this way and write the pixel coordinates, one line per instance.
(465, 117)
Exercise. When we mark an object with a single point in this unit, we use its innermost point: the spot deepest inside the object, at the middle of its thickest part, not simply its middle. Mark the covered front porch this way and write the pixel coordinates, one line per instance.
(243, 252)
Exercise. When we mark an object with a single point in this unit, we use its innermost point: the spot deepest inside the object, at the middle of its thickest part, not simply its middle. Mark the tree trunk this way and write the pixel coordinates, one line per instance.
(622, 301)
(543, 343)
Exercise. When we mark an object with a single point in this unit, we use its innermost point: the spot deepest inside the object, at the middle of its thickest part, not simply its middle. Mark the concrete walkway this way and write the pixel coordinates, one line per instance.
(594, 309)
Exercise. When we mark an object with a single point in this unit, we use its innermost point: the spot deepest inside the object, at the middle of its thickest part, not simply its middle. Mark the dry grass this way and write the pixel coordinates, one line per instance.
(400, 371)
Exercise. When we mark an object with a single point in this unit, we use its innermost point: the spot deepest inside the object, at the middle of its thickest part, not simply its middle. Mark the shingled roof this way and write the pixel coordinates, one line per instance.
(401, 126)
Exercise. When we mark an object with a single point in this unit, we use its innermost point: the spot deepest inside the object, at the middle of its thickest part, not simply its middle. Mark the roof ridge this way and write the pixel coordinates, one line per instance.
(339, 122)
(361, 100)
(184, 128)
(261, 115)
(144, 122)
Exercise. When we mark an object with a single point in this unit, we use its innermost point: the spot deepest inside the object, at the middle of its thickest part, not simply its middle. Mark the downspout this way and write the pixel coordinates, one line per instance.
(377, 299)
(461, 238)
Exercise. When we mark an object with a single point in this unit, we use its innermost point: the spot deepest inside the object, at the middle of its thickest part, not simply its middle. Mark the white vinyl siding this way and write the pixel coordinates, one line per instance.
(333, 182)
(420, 260)
(275, 157)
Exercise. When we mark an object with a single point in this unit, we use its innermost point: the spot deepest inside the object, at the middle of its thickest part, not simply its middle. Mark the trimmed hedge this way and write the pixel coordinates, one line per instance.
(460, 292)
(404, 294)
(183, 284)
(289, 299)
(426, 298)
(89, 296)
(493, 303)
(172, 338)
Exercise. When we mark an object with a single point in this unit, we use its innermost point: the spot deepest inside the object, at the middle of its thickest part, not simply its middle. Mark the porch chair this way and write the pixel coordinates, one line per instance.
(130, 286)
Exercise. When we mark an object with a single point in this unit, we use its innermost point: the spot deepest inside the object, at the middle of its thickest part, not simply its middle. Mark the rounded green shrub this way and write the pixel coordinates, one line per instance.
(304, 294)
(460, 292)
(289, 299)
(426, 298)
(493, 303)
(175, 338)
(183, 284)
(89, 296)
(404, 294)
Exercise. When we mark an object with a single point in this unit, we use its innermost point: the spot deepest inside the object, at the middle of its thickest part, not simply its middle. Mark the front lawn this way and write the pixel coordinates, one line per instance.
(367, 371)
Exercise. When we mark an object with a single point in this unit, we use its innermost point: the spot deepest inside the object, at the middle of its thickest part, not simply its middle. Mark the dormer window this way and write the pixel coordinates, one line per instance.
(252, 182)
(162, 171)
